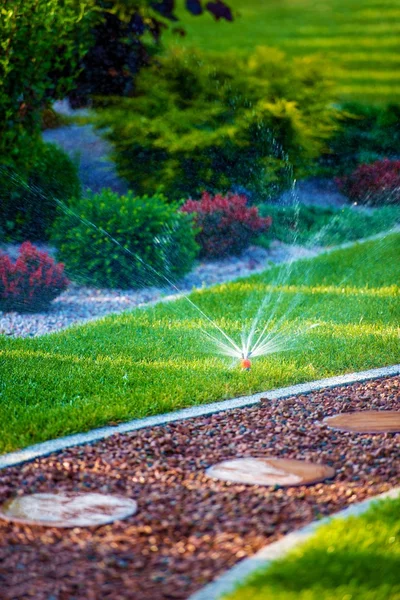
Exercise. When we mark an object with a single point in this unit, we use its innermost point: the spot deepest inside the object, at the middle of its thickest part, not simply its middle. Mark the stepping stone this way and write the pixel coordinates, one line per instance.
(270, 471)
(67, 510)
(368, 421)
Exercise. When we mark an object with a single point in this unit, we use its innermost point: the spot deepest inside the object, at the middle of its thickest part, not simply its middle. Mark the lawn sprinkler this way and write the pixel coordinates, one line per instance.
(245, 363)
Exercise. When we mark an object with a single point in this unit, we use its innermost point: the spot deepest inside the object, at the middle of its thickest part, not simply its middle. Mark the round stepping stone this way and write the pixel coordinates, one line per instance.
(367, 421)
(270, 471)
(67, 510)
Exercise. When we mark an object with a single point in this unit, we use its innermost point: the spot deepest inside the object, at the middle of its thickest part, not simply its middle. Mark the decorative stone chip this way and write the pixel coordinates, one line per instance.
(67, 509)
(270, 471)
(368, 421)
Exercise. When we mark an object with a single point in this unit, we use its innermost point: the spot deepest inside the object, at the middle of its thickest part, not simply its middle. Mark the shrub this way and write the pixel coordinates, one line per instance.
(126, 35)
(226, 224)
(32, 282)
(29, 206)
(377, 183)
(42, 42)
(120, 241)
(218, 122)
(51, 119)
(366, 134)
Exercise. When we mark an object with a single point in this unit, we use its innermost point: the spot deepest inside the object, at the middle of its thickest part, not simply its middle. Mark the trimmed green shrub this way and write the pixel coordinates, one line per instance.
(366, 134)
(29, 206)
(218, 122)
(114, 241)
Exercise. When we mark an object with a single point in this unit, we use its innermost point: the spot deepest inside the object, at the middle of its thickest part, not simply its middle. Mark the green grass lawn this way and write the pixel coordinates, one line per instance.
(155, 360)
(324, 225)
(360, 38)
(353, 559)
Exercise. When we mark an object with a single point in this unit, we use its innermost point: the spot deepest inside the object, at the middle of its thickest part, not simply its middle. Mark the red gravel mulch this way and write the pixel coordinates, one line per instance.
(190, 528)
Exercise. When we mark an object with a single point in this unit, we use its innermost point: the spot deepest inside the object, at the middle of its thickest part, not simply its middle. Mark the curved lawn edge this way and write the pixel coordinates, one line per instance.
(229, 580)
(45, 448)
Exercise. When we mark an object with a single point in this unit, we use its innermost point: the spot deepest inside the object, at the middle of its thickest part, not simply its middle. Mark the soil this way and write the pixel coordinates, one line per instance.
(189, 528)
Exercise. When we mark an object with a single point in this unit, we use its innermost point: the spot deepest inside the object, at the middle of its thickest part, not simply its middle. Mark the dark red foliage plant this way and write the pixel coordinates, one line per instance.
(226, 224)
(31, 282)
(376, 183)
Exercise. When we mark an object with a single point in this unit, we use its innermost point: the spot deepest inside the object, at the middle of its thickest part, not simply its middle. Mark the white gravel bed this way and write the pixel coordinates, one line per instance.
(81, 304)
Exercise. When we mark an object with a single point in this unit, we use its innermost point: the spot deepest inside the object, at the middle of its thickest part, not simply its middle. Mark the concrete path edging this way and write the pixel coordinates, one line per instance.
(46, 448)
(229, 580)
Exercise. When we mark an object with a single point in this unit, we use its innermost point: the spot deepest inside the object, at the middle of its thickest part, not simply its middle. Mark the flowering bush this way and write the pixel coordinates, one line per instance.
(32, 282)
(377, 183)
(226, 224)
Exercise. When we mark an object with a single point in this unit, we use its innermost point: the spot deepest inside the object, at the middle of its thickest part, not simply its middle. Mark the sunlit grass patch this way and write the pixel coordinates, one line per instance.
(353, 559)
(340, 30)
(157, 359)
(387, 41)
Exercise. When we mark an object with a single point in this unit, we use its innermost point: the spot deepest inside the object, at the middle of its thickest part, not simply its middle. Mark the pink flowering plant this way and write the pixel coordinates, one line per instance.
(226, 225)
(376, 183)
(31, 282)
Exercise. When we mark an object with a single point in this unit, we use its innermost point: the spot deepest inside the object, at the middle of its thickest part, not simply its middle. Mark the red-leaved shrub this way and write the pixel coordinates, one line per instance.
(31, 282)
(226, 224)
(377, 183)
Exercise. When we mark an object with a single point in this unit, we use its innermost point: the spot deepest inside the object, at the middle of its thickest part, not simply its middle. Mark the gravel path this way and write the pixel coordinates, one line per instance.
(80, 304)
(83, 144)
(92, 152)
(190, 528)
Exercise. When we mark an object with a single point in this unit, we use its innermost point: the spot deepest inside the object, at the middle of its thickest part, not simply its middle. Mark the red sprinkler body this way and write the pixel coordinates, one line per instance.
(245, 364)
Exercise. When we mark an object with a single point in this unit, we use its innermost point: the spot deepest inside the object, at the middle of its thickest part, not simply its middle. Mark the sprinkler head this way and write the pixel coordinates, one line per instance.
(245, 363)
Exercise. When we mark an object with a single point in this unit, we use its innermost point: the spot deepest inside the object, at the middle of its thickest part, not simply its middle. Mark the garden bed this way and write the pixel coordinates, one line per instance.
(155, 360)
(80, 304)
(190, 528)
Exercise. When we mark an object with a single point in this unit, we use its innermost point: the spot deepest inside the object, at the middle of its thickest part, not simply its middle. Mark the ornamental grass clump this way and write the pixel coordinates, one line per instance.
(374, 184)
(31, 282)
(226, 224)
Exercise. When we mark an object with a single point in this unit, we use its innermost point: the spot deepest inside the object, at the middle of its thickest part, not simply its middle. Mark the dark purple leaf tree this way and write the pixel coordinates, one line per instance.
(119, 49)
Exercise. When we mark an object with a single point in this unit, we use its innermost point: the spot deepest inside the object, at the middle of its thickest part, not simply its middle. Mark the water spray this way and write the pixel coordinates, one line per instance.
(268, 341)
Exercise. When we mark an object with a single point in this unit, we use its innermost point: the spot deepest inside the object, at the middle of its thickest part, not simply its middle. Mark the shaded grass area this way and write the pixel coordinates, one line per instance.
(317, 225)
(353, 559)
(359, 39)
(157, 359)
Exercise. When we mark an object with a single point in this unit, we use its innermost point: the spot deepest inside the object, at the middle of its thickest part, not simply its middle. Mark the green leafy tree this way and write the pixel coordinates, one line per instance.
(126, 35)
(218, 123)
(41, 45)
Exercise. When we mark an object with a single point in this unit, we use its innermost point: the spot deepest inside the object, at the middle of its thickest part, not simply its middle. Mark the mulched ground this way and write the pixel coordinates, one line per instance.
(190, 528)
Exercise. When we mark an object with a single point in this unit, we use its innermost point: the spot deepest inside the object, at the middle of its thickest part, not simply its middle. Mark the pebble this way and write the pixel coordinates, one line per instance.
(189, 528)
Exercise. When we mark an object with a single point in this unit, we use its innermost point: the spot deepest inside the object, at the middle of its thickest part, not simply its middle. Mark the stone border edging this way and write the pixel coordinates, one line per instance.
(46, 448)
(229, 580)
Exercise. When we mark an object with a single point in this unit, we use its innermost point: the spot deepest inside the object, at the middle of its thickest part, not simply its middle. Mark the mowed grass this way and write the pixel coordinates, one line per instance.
(349, 559)
(325, 226)
(359, 39)
(157, 359)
